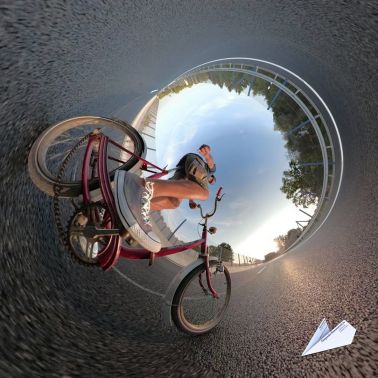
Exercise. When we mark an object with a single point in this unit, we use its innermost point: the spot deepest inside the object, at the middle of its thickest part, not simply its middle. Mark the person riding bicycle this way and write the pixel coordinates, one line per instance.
(135, 196)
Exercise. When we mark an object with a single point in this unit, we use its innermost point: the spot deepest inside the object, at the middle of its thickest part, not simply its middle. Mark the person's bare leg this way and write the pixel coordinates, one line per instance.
(162, 203)
(180, 189)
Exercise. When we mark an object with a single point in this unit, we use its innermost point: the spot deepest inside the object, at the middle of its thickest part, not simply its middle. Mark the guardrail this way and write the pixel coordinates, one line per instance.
(251, 69)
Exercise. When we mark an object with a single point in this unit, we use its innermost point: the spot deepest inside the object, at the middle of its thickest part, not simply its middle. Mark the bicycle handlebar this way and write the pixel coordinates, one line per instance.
(218, 197)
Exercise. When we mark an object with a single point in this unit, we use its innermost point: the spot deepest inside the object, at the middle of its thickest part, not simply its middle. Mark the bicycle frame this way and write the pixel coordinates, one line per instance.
(110, 254)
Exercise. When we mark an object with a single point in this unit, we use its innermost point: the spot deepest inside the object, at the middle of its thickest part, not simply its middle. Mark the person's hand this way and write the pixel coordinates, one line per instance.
(205, 151)
(212, 180)
(192, 204)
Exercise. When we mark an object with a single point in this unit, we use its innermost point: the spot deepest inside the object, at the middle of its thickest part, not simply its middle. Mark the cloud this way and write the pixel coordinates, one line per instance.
(235, 205)
(227, 223)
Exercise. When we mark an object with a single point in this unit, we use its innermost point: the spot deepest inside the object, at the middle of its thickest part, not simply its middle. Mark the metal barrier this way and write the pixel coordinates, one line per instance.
(252, 69)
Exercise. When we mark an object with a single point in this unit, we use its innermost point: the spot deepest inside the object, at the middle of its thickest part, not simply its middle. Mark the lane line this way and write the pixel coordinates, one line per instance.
(136, 283)
(261, 270)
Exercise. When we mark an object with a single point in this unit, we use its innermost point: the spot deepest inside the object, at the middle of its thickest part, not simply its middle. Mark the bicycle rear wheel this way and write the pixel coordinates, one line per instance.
(55, 143)
(194, 310)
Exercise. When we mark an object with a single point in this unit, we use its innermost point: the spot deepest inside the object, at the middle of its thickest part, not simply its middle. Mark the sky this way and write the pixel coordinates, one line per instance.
(250, 158)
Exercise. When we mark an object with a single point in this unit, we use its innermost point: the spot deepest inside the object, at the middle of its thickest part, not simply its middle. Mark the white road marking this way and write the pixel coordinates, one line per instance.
(136, 284)
(261, 270)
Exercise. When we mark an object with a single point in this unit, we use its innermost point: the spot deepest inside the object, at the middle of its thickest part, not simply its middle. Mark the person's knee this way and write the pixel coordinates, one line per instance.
(204, 195)
(175, 203)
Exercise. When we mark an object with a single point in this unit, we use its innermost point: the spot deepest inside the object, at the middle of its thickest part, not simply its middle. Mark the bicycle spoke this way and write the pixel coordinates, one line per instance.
(87, 248)
(61, 141)
(75, 170)
(60, 153)
(91, 251)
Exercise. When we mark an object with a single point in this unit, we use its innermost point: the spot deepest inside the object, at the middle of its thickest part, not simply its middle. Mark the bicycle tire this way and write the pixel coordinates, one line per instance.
(37, 165)
(180, 318)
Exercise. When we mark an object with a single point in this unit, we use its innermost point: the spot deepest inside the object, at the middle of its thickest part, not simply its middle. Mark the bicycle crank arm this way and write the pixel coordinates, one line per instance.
(93, 231)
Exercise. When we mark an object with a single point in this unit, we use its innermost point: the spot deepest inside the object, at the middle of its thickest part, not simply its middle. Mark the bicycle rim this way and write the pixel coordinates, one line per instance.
(194, 310)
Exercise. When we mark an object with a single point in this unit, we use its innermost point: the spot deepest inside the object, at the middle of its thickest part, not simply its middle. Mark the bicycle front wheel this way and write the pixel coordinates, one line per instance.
(194, 310)
(55, 143)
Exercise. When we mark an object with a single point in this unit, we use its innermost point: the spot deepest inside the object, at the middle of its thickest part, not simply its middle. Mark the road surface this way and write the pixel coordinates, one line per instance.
(66, 58)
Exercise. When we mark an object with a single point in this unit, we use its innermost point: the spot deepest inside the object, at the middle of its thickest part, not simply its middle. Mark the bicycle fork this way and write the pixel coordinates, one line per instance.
(205, 256)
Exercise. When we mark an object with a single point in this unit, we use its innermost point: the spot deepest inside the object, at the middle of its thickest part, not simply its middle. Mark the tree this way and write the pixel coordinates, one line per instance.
(281, 242)
(270, 256)
(224, 250)
(300, 186)
(285, 241)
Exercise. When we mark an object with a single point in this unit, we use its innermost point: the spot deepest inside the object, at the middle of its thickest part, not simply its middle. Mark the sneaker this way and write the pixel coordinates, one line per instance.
(133, 197)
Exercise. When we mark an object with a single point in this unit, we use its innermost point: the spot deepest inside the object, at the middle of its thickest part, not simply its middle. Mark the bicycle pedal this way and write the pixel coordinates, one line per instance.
(82, 220)
(124, 234)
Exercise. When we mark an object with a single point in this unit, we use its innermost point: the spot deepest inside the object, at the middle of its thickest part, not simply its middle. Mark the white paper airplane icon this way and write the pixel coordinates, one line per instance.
(325, 339)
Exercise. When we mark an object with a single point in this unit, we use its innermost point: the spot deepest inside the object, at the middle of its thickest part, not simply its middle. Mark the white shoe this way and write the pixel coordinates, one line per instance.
(133, 197)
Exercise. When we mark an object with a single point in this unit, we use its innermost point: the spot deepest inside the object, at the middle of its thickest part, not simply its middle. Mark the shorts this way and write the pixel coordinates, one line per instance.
(192, 167)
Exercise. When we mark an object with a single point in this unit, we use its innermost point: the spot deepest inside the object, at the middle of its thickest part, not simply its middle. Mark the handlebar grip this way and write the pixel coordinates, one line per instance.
(219, 192)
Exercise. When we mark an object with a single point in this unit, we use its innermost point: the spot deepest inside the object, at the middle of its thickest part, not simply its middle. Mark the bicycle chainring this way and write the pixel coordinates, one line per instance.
(62, 226)
(83, 245)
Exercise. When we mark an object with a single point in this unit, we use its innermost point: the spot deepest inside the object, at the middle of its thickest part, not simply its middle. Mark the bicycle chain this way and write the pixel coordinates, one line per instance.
(57, 190)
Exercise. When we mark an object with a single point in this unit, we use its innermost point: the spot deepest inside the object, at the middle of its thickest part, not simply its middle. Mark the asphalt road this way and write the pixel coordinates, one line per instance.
(67, 58)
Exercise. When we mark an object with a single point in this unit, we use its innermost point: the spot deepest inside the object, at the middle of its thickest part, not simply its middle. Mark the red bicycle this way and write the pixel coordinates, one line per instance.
(75, 161)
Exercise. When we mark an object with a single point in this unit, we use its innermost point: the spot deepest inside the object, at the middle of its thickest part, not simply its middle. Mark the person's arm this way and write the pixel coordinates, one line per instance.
(205, 152)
